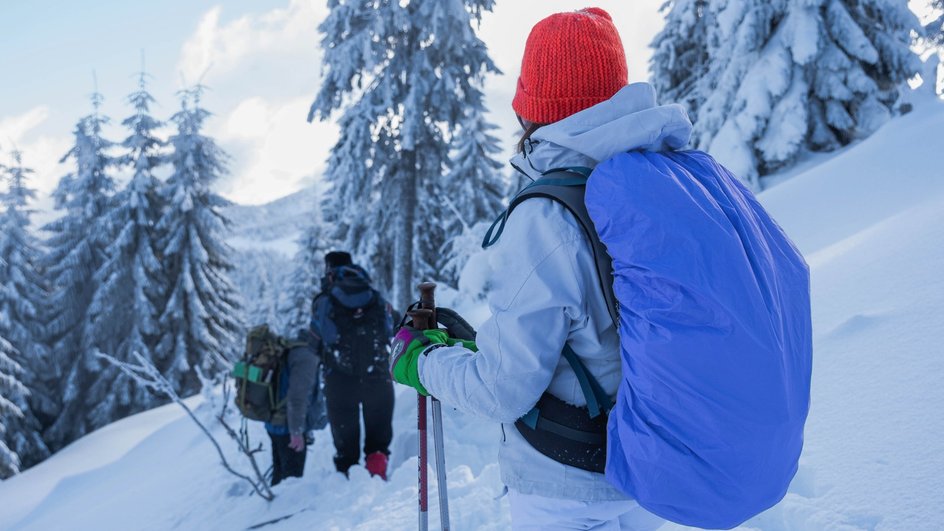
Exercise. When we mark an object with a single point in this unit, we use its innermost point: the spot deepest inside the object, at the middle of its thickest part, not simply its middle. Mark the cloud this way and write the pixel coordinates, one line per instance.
(14, 127)
(263, 71)
(218, 48)
(275, 151)
(41, 152)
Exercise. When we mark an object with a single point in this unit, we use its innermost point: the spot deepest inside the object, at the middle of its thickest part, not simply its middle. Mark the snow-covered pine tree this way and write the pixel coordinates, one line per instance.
(474, 187)
(412, 69)
(680, 56)
(258, 277)
(201, 319)
(935, 29)
(348, 207)
(789, 75)
(22, 296)
(123, 313)
(934, 34)
(303, 283)
(12, 392)
(77, 248)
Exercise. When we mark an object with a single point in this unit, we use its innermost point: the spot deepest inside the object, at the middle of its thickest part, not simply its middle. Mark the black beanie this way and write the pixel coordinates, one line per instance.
(338, 259)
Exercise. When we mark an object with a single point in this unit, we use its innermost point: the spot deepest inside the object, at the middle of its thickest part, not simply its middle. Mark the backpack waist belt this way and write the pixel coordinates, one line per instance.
(571, 435)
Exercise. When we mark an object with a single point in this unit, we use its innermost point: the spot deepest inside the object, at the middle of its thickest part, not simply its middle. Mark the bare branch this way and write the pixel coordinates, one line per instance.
(146, 374)
(242, 442)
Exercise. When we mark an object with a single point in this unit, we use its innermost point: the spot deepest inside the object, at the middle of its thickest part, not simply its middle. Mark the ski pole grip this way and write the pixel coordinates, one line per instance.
(428, 300)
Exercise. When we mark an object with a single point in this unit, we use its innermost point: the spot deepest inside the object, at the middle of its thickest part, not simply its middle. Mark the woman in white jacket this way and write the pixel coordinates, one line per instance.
(546, 293)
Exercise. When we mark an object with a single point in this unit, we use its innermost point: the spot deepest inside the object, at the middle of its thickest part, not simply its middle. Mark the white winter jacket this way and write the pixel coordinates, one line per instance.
(545, 292)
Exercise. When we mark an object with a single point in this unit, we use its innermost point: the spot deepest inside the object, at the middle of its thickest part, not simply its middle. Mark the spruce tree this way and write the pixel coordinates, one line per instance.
(258, 277)
(935, 29)
(777, 78)
(934, 36)
(303, 283)
(474, 186)
(201, 318)
(680, 53)
(412, 69)
(77, 249)
(22, 296)
(12, 392)
(123, 313)
(348, 209)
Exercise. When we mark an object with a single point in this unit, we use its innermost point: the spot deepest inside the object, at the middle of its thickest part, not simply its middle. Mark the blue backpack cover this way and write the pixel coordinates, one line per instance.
(715, 332)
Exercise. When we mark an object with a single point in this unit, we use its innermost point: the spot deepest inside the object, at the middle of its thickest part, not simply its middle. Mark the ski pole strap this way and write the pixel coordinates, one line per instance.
(597, 399)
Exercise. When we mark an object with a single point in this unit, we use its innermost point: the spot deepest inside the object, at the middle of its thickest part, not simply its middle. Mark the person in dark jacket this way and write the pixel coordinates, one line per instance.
(354, 324)
(298, 387)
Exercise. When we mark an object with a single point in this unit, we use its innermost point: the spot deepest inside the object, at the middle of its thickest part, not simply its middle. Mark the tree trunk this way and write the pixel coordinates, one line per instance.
(404, 233)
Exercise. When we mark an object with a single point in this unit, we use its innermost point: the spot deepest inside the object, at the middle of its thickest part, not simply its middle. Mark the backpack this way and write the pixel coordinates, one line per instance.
(258, 376)
(355, 324)
(711, 300)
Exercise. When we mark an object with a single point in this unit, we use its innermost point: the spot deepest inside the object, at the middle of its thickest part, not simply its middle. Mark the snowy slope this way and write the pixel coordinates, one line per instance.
(171, 479)
(871, 224)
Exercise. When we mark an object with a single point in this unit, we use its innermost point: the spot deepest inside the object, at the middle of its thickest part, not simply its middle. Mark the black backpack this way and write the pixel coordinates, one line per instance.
(355, 324)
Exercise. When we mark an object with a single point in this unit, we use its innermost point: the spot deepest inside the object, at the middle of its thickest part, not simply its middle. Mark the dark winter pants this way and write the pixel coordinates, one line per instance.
(286, 462)
(346, 396)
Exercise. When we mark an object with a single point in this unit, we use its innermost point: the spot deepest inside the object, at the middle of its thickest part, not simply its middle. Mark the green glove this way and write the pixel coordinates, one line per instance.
(407, 346)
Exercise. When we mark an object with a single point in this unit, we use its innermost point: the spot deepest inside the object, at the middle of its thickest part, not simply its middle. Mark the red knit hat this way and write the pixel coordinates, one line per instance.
(572, 61)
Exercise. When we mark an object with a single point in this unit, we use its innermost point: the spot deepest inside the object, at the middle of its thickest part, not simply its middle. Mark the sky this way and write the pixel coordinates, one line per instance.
(259, 58)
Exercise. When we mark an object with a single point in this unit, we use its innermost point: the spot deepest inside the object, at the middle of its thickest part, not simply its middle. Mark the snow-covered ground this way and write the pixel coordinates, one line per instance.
(871, 224)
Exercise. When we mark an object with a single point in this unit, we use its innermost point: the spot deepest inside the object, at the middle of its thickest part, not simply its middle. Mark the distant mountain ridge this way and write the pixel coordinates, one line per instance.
(274, 225)
(265, 240)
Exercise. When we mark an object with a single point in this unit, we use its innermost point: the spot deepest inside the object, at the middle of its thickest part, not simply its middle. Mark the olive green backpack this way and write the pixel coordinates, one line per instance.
(257, 376)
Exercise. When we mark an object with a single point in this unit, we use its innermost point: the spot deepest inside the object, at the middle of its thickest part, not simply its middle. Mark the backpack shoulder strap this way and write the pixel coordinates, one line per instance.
(567, 187)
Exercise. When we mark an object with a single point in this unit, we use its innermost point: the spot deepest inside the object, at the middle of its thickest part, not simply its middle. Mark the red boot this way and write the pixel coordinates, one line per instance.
(377, 465)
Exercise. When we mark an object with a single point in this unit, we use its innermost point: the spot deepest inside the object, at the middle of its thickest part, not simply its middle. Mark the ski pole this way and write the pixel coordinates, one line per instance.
(421, 320)
(440, 464)
(428, 302)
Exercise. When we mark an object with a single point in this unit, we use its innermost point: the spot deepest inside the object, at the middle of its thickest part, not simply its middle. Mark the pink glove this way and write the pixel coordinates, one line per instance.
(297, 443)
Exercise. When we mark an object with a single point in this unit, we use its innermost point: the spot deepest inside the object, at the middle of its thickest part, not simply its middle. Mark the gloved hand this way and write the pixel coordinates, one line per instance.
(460, 332)
(407, 346)
(297, 442)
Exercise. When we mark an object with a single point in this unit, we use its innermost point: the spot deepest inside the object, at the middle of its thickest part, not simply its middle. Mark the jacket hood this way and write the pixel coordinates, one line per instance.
(630, 120)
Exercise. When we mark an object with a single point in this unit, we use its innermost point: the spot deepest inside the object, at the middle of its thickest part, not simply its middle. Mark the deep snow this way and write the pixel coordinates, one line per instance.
(870, 222)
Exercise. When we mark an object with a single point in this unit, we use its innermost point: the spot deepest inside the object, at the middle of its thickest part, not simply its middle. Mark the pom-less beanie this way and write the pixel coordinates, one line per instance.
(337, 259)
(572, 61)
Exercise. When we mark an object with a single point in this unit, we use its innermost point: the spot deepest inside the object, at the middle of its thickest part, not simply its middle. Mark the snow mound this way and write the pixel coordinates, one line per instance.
(870, 222)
